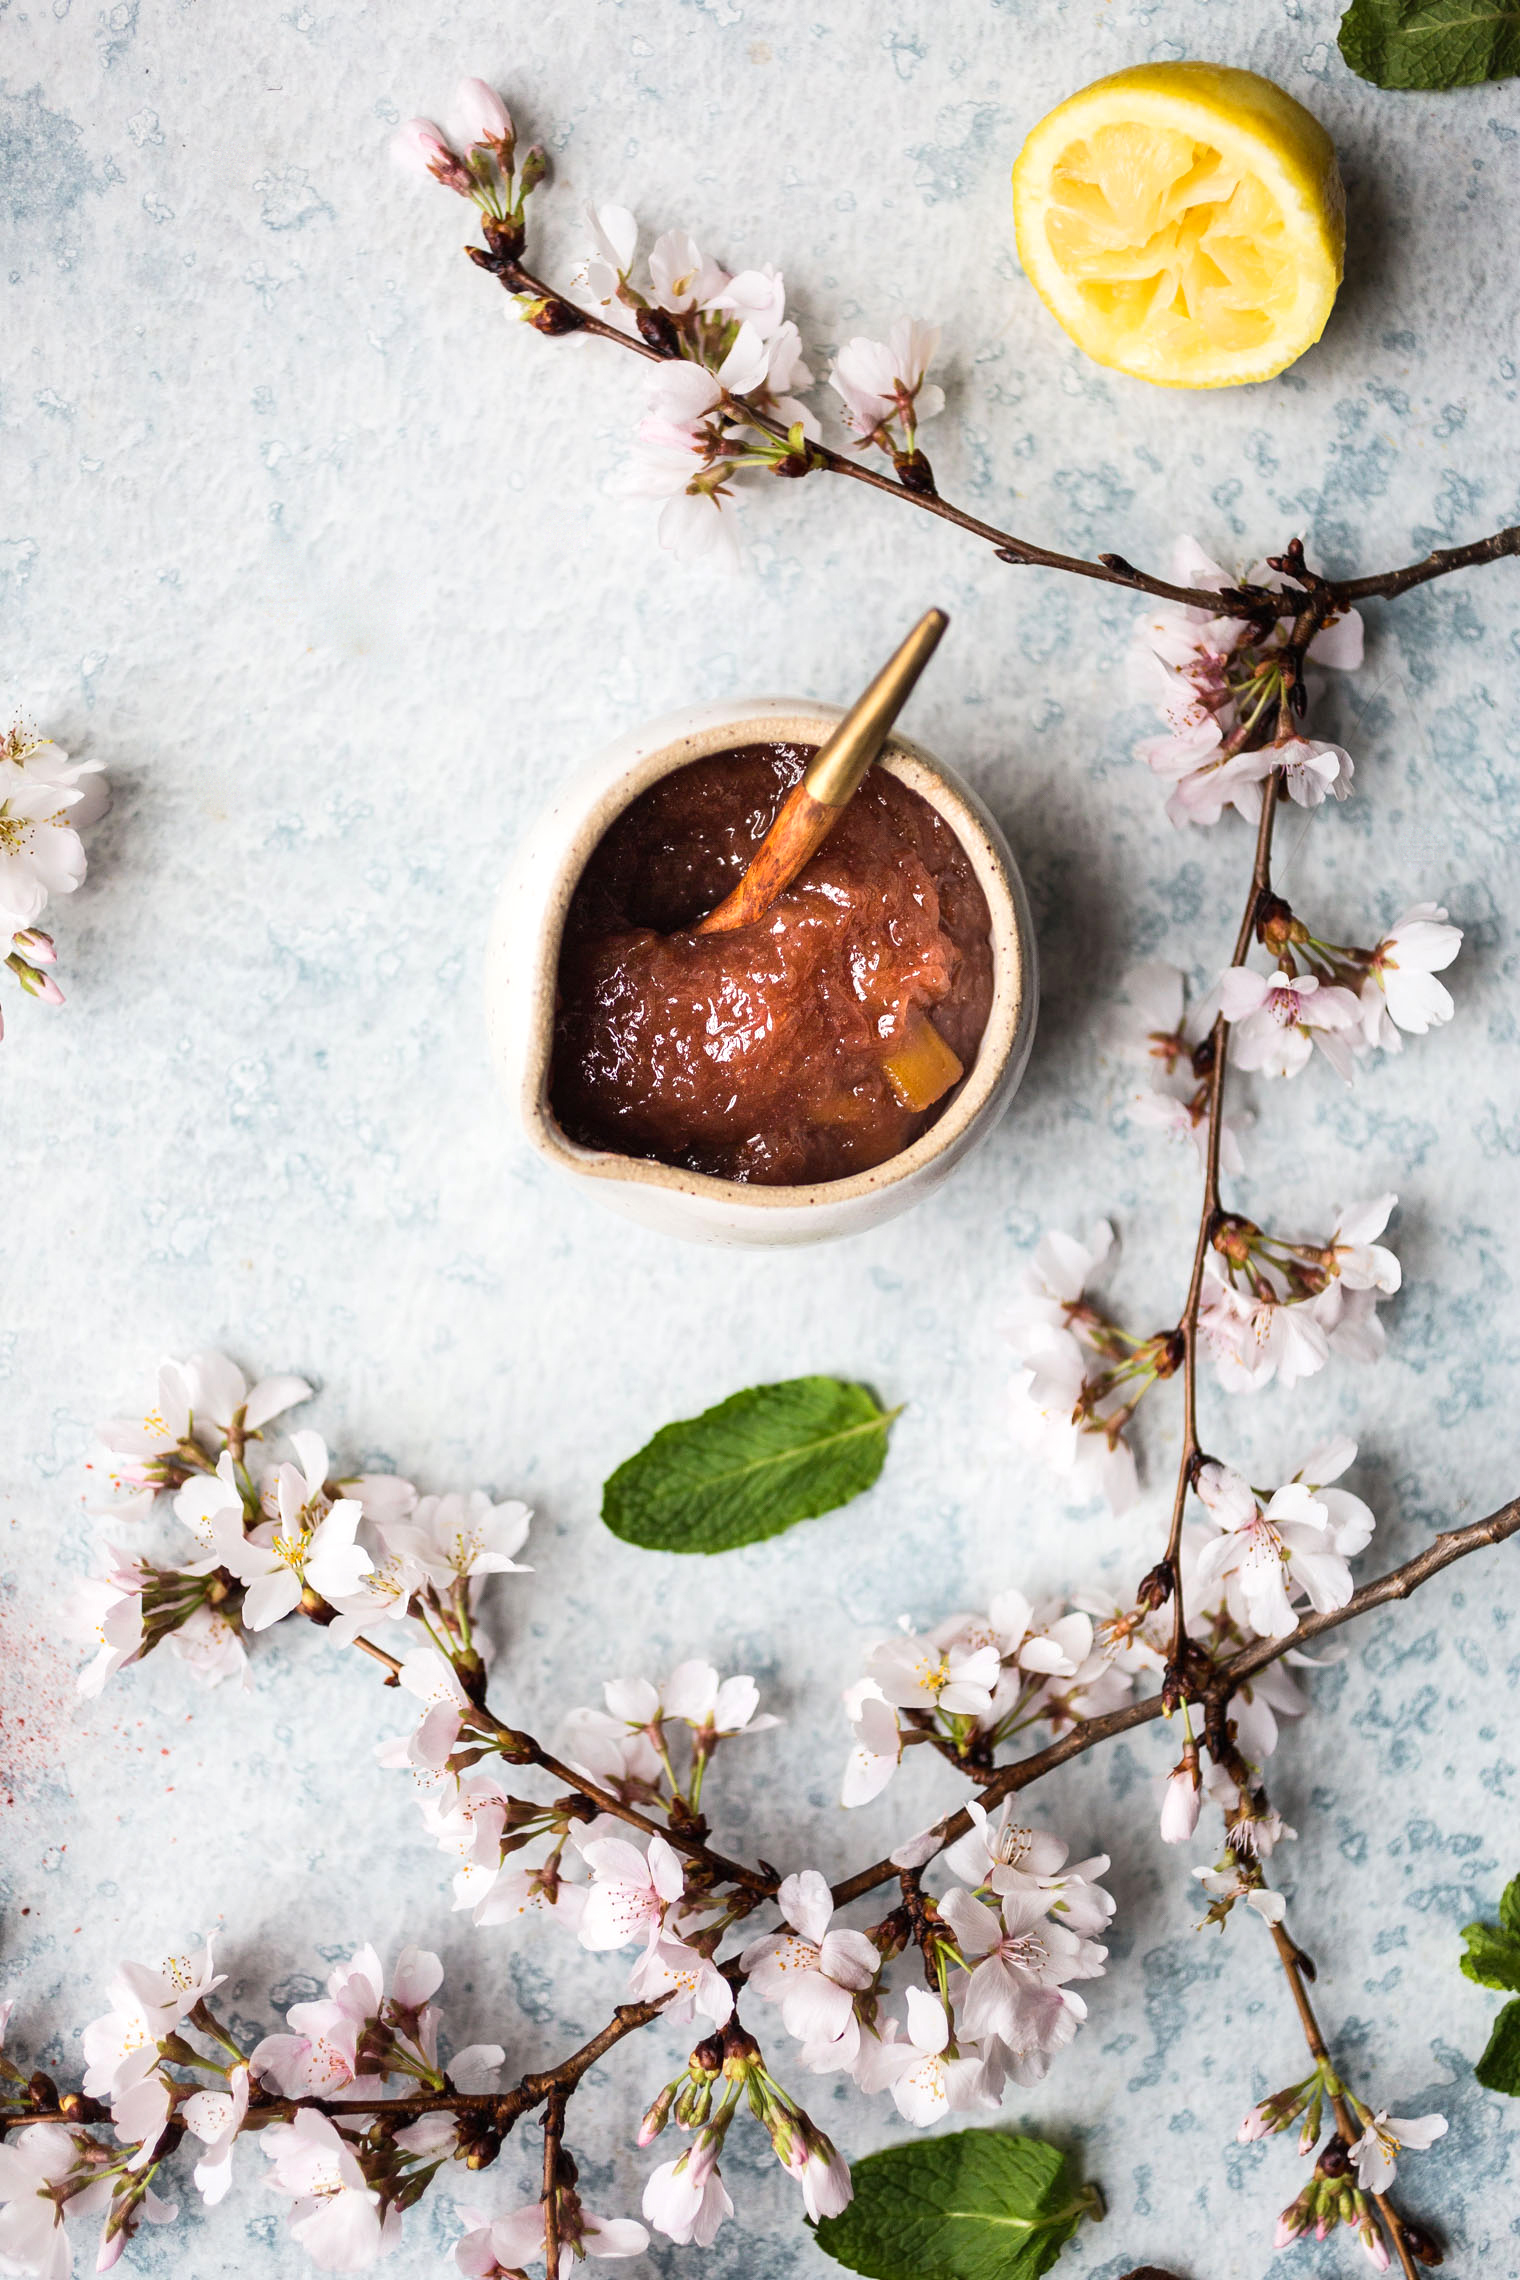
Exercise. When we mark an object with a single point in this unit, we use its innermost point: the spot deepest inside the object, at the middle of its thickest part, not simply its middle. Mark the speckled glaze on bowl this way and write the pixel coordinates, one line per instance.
(522, 962)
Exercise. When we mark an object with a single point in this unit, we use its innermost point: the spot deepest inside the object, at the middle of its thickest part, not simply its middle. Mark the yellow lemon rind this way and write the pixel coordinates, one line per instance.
(1247, 118)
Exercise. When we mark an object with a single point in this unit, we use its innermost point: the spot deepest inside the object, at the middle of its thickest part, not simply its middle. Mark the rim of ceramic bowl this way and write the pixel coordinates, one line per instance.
(723, 729)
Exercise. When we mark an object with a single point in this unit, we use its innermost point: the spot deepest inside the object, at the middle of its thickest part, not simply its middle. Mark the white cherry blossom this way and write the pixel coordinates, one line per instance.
(1270, 1556)
(507, 2243)
(454, 1537)
(929, 2077)
(694, 1694)
(1278, 1019)
(311, 1543)
(1401, 991)
(1355, 1257)
(385, 1595)
(105, 1612)
(1312, 770)
(209, 1644)
(883, 381)
(878, 1743)
(672, 1972)
(1006, 1856)
(336, 2216)
(1377, 2150)
(813, 1972)
(1014, 1954)
(121, 2049)
(756, 297)
(916, 1674)
(681, 275)
(196, 1399)
(615, 238)
(46, 799)
(1210, 676)
(631, 1892)
(686, 2199)
(32, 2235)
(1254, 1338)
(215, 2117)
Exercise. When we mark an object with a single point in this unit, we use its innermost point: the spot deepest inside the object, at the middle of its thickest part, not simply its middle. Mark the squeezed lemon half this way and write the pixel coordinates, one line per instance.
(1183, 222)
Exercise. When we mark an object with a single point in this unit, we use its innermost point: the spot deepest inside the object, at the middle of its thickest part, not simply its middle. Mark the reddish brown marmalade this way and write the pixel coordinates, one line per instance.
(758, 1054)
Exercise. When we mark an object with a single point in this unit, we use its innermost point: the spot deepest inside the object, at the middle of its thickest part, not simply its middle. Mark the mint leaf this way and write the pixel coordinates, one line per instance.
(1493, 1957)
(758, 1463)
(1499, 2067)
(1431, 43)
(975, 2206)
(1509, 1906)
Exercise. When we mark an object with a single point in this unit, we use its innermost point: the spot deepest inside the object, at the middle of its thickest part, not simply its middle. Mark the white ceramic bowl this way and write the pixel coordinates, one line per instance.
(522, 963)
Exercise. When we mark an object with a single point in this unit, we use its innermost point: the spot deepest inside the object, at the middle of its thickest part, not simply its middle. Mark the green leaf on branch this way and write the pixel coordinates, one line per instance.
(753, 1466)
(1431, 43)
(976, 2206)
(1499, 2067)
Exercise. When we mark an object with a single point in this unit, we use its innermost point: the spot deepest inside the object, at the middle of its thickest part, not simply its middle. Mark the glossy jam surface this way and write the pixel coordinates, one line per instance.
(759, 1055)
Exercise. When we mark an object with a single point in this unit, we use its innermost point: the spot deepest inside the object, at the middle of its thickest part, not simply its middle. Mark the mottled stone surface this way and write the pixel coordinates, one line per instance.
(320, 554)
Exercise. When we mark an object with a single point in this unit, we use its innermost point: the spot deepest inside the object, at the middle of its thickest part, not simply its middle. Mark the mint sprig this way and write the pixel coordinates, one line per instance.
(1431, 43)
(1493, 1960)
(978, 2205)
(751, 1467)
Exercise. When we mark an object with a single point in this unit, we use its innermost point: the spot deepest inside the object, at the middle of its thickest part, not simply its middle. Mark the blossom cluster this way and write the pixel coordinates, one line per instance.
(1081, 1377)
(725, 396)
(975, 1681)
(1332, 996)
(1001, 1951)
(353, 1551)
(1346, 2174)
(46, 800)
(1218, 683)
(315, 2096)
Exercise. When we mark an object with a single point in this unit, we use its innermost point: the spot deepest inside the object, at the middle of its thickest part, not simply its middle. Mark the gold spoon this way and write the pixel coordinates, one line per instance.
(921, 1067)
(832, 777)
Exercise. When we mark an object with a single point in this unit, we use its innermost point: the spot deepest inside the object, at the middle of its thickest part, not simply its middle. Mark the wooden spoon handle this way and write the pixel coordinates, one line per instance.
(833, 776)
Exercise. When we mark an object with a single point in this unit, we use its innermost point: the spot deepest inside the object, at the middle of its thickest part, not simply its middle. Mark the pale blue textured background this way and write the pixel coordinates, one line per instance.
(317, 552)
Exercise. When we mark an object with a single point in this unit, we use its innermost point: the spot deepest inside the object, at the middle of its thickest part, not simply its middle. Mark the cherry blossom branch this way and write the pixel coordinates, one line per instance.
(554, 2131)
(500, 2109)
(1455, 1544)
(1208, 1220)
(1311, 616)
(1296, 1967)
(522, 1749)
(557, 315)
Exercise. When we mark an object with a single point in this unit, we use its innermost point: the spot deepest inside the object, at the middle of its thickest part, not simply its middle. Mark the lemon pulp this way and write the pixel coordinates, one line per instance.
(1184, 223)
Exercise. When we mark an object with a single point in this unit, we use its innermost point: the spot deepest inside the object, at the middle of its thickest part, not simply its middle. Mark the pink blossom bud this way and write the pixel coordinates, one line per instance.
(1372, 2240)
(1289, 2226)
(35, 985)
(111, 2246)
(657, 2116)
(420, 144)
(485, 116)
(1179, 1806)
(35, 945)
(1253, 2127)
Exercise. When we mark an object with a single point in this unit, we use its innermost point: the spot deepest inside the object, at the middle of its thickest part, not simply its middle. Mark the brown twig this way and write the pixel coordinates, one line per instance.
(501, 2108)
(1292, 1961)
(554, 2130)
